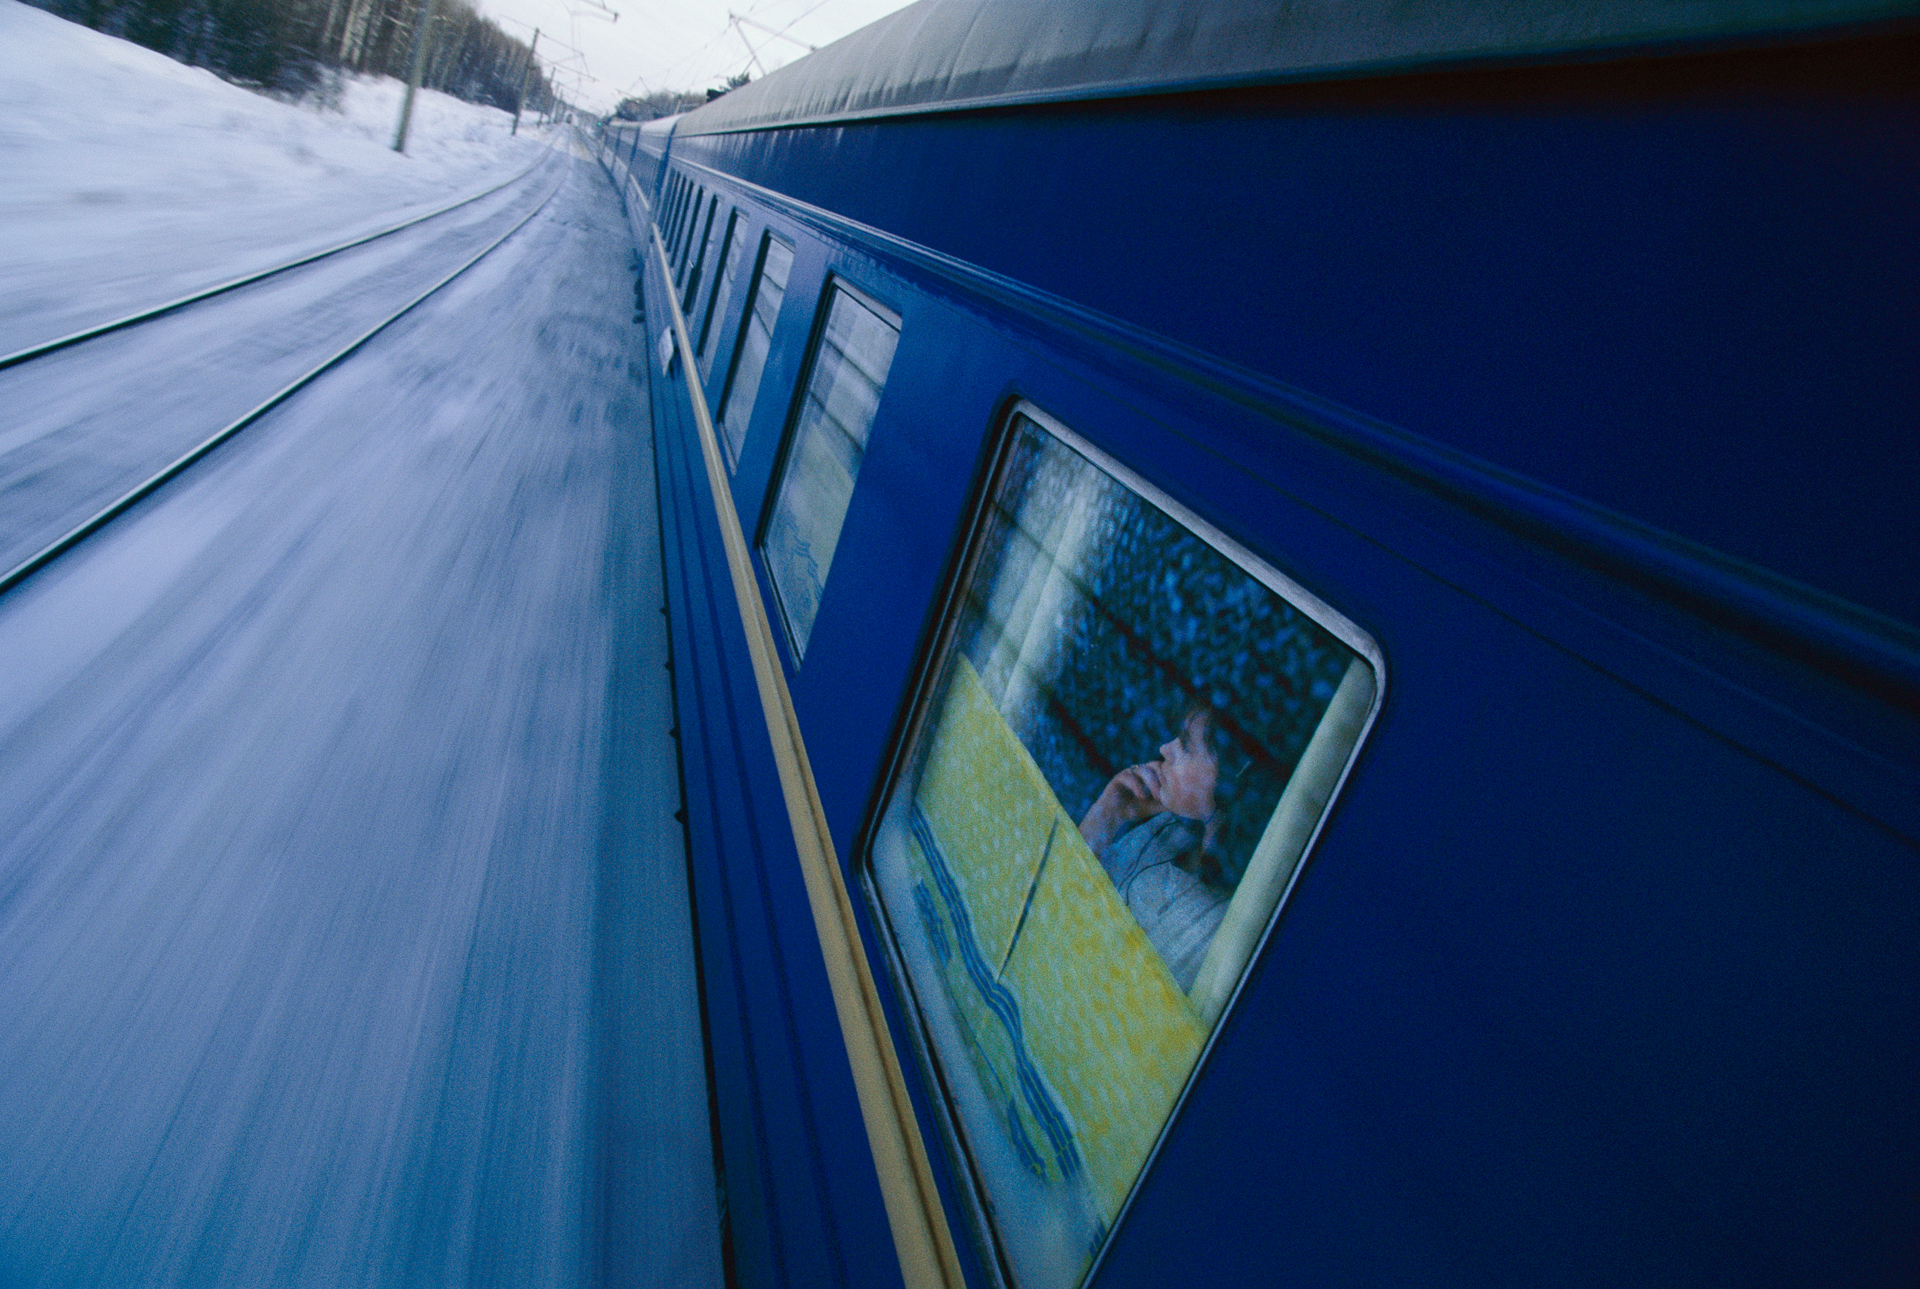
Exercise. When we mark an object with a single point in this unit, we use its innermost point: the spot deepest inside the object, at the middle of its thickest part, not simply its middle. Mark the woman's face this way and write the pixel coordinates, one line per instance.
(1183, 779)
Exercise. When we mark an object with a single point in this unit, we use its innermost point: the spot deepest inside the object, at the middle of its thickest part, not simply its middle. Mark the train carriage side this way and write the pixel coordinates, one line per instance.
(1492, 473)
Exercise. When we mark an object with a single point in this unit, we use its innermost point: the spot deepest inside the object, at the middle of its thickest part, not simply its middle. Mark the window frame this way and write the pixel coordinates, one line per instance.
(749, 297)
(689, 223)
(688, 195)
(670, 218)
(690, 244)
(912, 727)
(697, 261)
(796, 401)
(736, 216)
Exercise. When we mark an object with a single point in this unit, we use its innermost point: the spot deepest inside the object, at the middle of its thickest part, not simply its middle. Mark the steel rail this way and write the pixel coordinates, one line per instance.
(73, 537)
(46, 347)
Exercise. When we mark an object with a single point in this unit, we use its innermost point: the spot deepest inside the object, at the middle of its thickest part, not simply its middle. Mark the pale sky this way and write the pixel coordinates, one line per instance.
(673, 44)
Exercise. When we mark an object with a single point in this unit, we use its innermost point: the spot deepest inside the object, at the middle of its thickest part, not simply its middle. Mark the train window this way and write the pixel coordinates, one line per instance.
(703, 225)
(702, 210)
(692, 236)
(756, 338)
(726, 280)
(666, 214)
(670, 221)
(1130, 731)
(686, 233)
(824, 449)
(680, 214)
(699, 259)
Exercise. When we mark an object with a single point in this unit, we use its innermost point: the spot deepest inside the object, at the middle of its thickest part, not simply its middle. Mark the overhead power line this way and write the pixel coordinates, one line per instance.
(740, 23)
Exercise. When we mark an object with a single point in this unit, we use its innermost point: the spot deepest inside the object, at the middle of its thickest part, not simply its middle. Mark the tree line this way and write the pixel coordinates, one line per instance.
(668, 102)
(298, 46)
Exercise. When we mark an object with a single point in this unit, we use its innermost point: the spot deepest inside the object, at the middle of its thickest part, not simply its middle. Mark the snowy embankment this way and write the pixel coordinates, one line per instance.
(127, 179)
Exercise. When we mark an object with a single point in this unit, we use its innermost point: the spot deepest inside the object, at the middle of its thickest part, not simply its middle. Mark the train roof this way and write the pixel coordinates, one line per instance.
(956, 55)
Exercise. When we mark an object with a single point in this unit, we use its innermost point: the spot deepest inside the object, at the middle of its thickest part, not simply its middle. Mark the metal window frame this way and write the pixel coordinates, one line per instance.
(913, 728)
(823, 307)
(736, 216)
(751, 296)
(697, 262)
(683, 258)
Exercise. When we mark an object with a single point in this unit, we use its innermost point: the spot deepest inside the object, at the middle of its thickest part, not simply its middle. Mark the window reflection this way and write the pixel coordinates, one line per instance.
(756, 338)
(699, 258)
(700, 206)
(1131, 738)
(687, 210)
(726, 280)
(678, 205)
(824, 452)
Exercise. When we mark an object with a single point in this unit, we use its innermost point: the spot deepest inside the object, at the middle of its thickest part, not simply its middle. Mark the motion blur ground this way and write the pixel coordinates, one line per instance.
(343, 919)
(97, 414)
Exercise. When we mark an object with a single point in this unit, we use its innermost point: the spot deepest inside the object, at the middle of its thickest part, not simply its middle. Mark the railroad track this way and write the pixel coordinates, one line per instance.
(75, 507)
(46, 347)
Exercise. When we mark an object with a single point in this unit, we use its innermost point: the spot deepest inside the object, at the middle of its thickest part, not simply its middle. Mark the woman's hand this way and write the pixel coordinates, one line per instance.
(1129, 797)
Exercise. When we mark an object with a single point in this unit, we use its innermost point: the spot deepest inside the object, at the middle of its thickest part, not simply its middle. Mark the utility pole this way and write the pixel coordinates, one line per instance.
(740, 22)
(521, 95)
(422, 19)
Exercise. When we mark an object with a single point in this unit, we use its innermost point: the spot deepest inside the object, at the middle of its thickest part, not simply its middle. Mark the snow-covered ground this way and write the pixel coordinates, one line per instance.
(127, 178)
(344, 935)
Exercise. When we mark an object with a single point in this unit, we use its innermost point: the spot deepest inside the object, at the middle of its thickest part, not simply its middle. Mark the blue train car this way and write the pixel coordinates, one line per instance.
(1297, 641)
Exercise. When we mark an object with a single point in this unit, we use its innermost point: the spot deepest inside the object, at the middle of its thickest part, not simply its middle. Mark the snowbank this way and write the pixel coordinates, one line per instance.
(127, 178)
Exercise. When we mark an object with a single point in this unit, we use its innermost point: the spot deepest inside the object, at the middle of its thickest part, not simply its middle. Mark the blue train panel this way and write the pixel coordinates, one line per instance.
(1346, 639)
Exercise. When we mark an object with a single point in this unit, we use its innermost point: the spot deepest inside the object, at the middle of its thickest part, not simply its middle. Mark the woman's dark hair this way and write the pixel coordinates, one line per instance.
(1247, 788)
